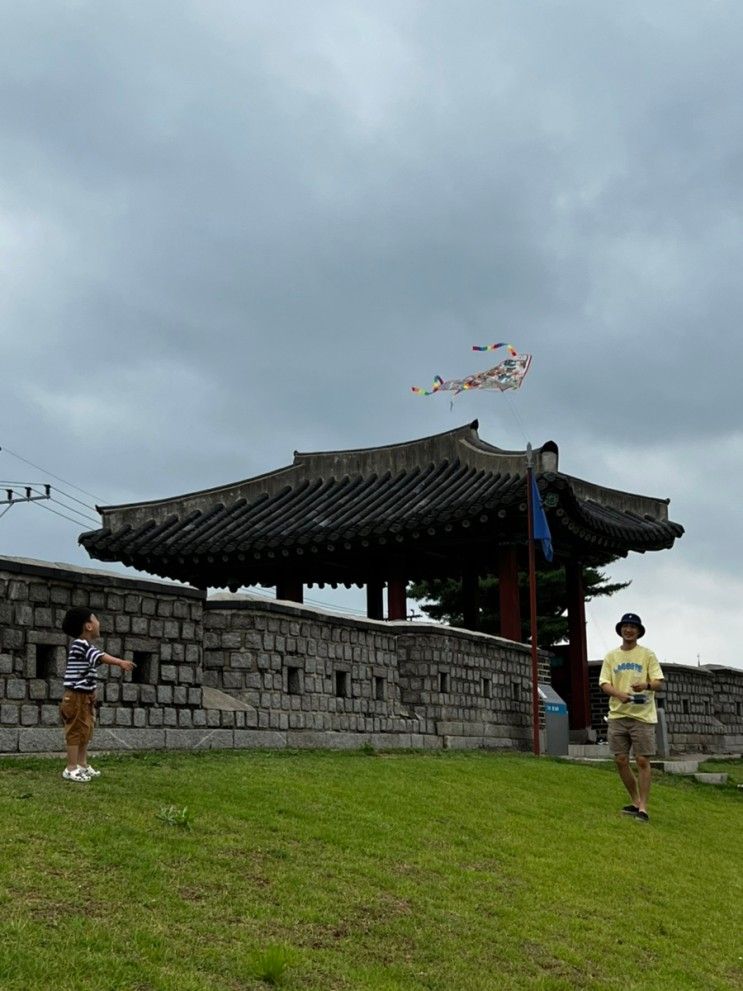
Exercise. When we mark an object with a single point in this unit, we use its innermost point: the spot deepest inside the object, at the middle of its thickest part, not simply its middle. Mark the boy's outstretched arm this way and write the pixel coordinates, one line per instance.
(117, 662)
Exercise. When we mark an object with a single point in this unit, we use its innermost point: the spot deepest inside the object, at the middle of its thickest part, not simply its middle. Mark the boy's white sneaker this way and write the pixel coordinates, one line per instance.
(78, 774)
(91, 771)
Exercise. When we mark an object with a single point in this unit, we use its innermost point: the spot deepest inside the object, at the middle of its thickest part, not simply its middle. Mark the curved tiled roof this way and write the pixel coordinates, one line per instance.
(345, 515)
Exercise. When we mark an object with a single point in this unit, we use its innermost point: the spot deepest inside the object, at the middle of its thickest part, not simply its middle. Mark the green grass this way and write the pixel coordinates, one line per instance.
(346, 872)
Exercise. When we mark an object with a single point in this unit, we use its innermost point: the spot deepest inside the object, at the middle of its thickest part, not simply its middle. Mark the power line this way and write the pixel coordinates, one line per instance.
(59, 479)
(50, 510)
(71, 509)
(59, 502)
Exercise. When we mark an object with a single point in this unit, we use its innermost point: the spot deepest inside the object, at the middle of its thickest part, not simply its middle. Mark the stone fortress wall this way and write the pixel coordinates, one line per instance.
(236, 671)
(703, 706)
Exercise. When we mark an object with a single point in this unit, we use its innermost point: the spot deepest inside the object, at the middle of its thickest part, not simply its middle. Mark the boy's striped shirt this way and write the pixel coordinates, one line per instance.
(82, 660)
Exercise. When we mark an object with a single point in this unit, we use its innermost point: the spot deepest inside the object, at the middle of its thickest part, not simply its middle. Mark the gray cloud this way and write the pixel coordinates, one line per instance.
(230, 231)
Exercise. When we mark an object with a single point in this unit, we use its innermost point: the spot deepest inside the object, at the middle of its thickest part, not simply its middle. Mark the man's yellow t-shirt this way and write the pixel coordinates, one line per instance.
(622, 668)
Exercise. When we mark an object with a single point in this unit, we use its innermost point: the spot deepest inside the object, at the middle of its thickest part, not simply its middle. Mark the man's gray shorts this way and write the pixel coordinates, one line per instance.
(624, 733)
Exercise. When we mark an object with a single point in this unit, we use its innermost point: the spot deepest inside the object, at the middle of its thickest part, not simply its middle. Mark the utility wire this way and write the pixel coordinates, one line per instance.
(39, 468)
(59, 502)
(88, 519)
(50, 510)
(345, 610)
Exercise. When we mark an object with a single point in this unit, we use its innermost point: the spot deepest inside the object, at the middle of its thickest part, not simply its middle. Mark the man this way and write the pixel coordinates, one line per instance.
(629, 676)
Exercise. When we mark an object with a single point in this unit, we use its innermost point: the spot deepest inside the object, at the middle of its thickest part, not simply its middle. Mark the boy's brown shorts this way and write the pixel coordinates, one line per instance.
(78, 716)
(625, 733)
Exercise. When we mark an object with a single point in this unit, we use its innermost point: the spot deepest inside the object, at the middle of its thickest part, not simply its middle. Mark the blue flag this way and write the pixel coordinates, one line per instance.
(539, 523)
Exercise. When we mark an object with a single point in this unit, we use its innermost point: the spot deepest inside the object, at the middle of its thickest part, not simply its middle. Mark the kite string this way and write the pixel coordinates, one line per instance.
(519, 423)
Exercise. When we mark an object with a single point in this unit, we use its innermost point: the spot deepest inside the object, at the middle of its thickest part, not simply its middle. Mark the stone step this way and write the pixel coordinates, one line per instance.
(599, 751)
(676, 766)
(707, 778)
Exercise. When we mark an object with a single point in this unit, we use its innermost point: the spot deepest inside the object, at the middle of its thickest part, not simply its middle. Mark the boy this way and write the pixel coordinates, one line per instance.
(629, 676)
(78, 702)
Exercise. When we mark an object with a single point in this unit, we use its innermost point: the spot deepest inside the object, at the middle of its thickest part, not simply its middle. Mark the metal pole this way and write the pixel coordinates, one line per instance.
(532, 606)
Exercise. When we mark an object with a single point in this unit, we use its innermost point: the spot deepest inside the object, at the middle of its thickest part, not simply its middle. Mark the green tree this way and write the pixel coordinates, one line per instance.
(441, 599)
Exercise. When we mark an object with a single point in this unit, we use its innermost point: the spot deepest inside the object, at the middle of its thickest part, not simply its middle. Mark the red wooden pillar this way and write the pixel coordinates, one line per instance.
(397, 603)
(290, 589)
(508, 590)
(471, 600)
(375, 600)
(580, 699)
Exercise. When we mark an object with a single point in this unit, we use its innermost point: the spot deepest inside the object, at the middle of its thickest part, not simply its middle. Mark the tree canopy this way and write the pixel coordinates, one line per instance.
(441, 599)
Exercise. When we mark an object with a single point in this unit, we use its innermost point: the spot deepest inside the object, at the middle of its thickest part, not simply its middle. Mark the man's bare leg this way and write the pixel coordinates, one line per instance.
(628, 778)
(645, 775)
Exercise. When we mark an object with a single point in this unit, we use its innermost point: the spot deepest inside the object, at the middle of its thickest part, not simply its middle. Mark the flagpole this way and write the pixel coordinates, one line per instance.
(532, 605)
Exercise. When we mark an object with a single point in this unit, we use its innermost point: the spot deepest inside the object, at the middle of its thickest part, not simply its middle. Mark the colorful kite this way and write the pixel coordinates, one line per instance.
(509, 374)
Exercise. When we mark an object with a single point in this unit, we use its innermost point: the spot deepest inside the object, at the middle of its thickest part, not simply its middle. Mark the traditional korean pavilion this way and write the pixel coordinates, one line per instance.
(450, 505)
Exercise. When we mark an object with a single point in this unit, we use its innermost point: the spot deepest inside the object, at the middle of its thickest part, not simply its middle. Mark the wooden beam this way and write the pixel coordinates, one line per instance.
(508, 590)
(290, 589)
(397, 603)
(375, 599)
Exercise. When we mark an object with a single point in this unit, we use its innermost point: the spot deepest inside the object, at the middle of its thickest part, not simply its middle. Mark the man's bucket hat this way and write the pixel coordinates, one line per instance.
(630, 619)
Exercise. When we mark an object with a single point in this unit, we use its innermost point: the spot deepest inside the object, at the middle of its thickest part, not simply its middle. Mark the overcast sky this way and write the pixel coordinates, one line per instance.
(229, 230)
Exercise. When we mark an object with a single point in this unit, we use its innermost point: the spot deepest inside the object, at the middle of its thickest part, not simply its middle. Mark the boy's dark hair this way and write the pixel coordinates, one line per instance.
(75, 619)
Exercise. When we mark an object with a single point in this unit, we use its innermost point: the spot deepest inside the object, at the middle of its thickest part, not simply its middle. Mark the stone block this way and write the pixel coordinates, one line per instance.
(50, 715)
(180, 695)
(170, 716)
(61, 596)
(164, 694)
(198, 739)
(106, 716)
(37, 689)
(130, 739)
(184, 718)
(194, 696)
(147, 694)
(15, 689)
(139, 717)
(30, 715)
(37, 740)
(707, 778)
(112, 692)
(11, 639)
(259, 739)
(170, 629)
(9, 714)
(123, 717)
(6, 664)
(8, 741)
(155, 717)
(129, 692)
(198, 718)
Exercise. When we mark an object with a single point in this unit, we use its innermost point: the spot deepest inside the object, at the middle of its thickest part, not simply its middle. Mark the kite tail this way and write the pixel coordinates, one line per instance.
(494, 347)
(437, 383)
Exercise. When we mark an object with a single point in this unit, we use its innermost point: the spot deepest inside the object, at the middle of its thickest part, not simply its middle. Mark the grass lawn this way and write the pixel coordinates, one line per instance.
(444, 872)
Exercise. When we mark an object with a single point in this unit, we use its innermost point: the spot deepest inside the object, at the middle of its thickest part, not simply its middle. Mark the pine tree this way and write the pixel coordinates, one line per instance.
(441, 599)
